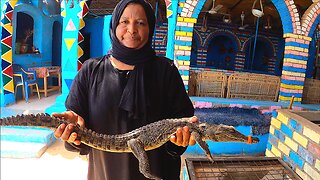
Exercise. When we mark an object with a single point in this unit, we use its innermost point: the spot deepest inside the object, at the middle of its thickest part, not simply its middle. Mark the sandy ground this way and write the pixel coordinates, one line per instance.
(55, 163)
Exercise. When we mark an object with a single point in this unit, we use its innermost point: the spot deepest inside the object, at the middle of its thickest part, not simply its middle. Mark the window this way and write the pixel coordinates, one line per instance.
(24, 34)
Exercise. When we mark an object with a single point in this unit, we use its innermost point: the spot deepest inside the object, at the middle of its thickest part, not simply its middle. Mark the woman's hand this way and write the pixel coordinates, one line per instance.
(183, 137)
(65, 132)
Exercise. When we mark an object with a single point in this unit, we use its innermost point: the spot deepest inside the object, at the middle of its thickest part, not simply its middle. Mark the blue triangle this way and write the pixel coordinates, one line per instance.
(4, 64)
(5, 33)
(9, 8)
(68, 82)
(6, 92)
(68, 66)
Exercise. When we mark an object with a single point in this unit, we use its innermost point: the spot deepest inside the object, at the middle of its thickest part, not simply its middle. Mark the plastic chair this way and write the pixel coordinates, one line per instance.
(25, 79)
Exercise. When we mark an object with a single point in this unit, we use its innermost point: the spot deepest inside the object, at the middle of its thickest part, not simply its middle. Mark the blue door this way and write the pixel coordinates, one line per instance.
(221, 53)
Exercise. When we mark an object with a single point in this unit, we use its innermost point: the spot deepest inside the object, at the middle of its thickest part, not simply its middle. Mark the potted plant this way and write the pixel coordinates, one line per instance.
(24, 45)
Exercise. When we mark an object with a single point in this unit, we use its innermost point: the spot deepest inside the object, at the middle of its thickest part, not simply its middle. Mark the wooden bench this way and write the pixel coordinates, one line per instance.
(208, 84)
(253, 86)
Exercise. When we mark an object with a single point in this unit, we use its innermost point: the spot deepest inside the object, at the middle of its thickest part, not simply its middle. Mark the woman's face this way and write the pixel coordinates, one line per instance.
(133, 28)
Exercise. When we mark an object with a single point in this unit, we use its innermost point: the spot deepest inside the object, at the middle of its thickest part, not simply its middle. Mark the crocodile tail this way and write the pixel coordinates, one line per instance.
(36, 120)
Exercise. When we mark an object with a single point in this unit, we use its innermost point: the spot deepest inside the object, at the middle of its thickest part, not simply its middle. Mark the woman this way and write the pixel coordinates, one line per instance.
(124, 90)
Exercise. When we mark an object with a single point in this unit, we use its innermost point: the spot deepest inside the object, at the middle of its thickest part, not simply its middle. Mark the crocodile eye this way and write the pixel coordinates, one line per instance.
(202, 125)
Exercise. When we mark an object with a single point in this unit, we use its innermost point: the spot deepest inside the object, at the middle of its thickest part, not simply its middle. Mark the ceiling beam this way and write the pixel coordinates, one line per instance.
(235, 5)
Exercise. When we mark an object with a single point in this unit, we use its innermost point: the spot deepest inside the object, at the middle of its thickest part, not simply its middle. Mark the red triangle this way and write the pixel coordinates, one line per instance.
(79, 65)
(8, 71)
(8, 41)
(9, 15)
(80, 37)
(85, 9)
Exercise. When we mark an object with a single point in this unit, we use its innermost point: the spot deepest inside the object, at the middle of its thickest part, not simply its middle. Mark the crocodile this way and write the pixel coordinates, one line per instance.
(138, 141)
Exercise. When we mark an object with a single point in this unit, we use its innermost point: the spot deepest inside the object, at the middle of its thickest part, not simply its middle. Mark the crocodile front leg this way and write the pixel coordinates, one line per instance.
(137, 149)
(202, 144)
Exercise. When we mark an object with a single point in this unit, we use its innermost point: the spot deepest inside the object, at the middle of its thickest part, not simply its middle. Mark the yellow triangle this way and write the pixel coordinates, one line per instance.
(82, 23)
(8, 27)
(63, 13)
(82, 3)
(9, 86)
(69, 42)
(80, 52)
(7, 56)
(169, 13)
(13, 3)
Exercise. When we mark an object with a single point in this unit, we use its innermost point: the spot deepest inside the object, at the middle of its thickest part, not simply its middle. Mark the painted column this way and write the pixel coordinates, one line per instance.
(294, 67)
(295, 54)
(6, 80)
(187, 16)
(172, 7)
(71, 12)
(297, 41)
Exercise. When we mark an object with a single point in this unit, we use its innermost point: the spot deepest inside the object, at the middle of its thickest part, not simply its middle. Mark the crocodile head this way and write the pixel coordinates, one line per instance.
(224, 133)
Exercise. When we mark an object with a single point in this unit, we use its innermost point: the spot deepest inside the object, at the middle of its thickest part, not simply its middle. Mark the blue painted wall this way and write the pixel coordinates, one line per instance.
(42, 37)
(98, 28)
(99, 45)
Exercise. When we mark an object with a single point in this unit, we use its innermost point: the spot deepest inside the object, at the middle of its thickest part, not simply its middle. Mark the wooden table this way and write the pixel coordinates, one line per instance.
(46, 72)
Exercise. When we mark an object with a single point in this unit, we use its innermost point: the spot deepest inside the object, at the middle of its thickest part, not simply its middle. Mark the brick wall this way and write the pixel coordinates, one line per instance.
(295, 140)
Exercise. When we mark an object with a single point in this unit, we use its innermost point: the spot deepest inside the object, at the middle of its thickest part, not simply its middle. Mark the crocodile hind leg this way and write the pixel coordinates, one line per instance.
(202, 144)
(137, 149)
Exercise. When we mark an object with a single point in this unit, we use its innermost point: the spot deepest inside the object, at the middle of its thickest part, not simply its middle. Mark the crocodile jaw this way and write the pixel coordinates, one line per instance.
(224, 133)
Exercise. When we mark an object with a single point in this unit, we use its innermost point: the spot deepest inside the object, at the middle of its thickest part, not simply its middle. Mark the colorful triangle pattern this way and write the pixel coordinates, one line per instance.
(6, 47)
(84, 12)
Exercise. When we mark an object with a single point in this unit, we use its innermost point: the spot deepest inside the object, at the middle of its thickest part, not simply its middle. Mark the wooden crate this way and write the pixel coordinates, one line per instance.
(253, 86)
(211, 84)
(311, 91)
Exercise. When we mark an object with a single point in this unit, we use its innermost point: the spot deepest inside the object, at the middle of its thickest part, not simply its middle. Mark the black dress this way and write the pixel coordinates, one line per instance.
(95, 96)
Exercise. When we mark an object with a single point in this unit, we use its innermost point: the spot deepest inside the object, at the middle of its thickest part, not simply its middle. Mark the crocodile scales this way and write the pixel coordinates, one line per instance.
(138, 141)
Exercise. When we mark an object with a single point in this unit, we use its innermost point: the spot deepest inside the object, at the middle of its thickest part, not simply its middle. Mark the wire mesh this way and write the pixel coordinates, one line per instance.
(239, 169)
